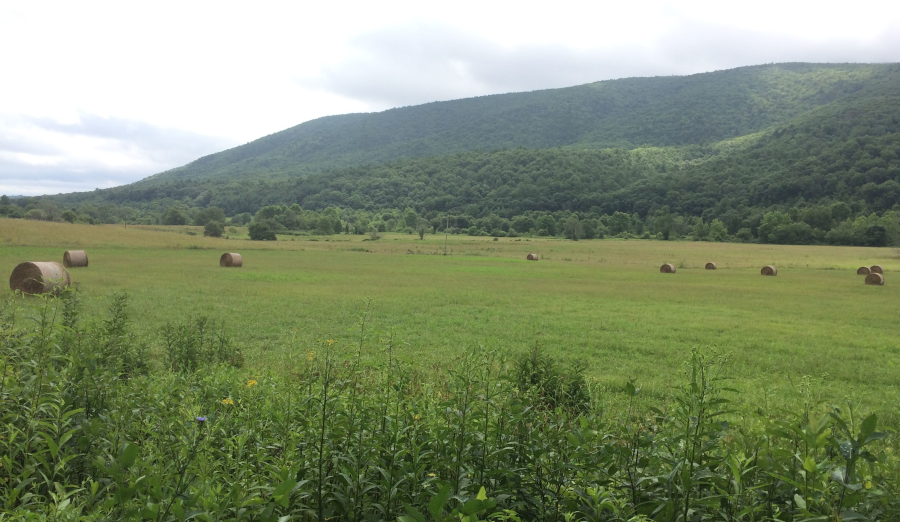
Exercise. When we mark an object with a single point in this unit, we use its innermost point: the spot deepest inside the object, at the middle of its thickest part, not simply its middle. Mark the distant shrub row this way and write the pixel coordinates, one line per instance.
(833, 224)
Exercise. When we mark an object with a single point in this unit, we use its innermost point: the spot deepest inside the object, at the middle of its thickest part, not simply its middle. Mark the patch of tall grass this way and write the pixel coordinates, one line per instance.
(92, 430)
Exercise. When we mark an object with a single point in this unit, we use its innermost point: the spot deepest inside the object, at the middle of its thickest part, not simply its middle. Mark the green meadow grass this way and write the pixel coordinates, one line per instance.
(601, 301)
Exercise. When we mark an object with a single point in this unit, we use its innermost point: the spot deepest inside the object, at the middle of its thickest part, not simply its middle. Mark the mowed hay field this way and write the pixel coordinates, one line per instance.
(601, 301)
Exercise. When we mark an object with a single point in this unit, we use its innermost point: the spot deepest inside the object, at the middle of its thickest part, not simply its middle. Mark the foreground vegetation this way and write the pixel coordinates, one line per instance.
(93, 428)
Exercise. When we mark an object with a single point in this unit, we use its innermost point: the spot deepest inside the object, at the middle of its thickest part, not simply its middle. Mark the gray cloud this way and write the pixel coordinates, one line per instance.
(406, 65)
(36, 183)
(39, 155)
(696, 47)
(420, 63)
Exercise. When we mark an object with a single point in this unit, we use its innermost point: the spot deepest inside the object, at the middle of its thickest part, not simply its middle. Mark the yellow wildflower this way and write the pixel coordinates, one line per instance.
(330, 342)
(415, 417)
(227, 400)
(310, 355)
(251, 382)
(432, 475)
(868, 484)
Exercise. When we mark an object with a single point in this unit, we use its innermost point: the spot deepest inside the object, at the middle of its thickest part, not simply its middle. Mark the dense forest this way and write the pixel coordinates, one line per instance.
(792, 153)
(628, 113)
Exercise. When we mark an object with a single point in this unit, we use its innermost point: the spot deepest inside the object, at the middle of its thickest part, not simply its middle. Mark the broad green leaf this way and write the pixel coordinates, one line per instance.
(809, 464)
(54, 449)
(436, 506)
(873, 437)
(630, 390)
(282, 492)
(128, 455)
(414, 515)
(867, 428)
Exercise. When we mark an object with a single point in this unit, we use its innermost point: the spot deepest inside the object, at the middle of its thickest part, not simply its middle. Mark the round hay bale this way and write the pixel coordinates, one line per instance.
(667, 268)
(863, 270)
(769, 270)
(75, 259)
(231, 260)
(710, 266)
(532, 257)
(874, 279)
(876, 269)
(39, 277)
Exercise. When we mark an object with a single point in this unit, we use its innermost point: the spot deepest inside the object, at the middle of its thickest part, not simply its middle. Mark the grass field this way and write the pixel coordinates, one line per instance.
(602, 301)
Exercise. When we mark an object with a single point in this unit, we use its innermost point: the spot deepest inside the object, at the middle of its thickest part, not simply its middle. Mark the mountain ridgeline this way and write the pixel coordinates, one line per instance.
(627, 113)
(730, 146)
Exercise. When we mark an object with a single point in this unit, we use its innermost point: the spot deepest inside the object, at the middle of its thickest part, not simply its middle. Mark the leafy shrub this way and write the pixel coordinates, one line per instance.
(329, 439)
(213, 229)
(36, 214)
(540, 374)
(196, 343)
(204, 216)
(261, 231)
(174, 216)
(241, 219)
(12, 211)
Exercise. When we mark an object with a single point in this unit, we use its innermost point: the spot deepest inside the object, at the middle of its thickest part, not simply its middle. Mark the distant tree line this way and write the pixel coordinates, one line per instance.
(834, 224)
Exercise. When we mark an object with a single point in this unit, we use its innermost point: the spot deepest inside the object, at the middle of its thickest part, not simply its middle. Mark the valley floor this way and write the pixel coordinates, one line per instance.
(814, 329)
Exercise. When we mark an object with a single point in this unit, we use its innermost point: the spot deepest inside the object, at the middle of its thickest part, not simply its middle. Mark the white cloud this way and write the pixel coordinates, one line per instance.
(106, 92)
(418, 63)
(42, 155)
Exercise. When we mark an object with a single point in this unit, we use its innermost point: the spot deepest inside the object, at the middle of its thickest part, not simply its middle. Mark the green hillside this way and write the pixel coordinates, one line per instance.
(845, 150)
(786, 153)
(627, 113)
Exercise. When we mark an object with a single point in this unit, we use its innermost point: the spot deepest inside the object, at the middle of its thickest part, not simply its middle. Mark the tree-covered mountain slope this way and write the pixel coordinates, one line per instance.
(628, 113)
(812, 156)
(847, 150)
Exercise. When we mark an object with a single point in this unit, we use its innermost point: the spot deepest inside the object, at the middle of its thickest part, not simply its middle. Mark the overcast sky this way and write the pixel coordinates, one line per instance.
(98, 94)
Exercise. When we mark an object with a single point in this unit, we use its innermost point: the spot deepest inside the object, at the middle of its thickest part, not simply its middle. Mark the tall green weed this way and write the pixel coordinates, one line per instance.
(92, 429)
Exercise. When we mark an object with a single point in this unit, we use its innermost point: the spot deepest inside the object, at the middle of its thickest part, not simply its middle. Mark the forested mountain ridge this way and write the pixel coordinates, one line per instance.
(831, 151)
(627, 113)
(828, 174)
